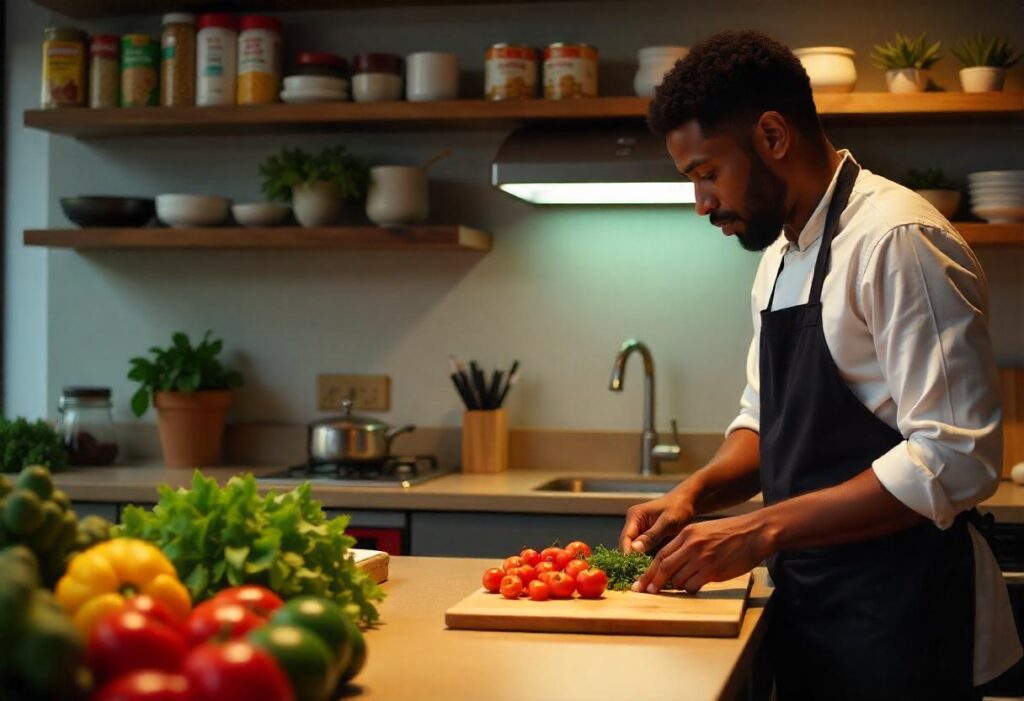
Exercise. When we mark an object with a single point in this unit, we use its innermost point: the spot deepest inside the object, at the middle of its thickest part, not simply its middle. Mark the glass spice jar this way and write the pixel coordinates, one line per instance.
(178, 60)
(86, 427)
(104, 70)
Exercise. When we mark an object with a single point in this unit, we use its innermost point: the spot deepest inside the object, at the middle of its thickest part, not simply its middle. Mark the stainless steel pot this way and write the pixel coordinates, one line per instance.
(351, 437)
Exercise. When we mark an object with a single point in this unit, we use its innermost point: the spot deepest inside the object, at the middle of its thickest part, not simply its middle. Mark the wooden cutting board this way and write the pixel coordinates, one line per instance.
(375, 562)
(715, 611)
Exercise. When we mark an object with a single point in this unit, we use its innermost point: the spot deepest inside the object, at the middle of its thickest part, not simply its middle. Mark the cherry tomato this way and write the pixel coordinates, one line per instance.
(546, 576)
(530, 557)
(511, 586)
(237, 671)
(562, 585)
(130, 641)
(578, 549)
(492, 580)
(219, 620)
(539, 591)
(526, 573)
(146, 685)
(575, 567)
(544, 567)
(259, 600)
(557, 556)
(591, 583)
(512, 562)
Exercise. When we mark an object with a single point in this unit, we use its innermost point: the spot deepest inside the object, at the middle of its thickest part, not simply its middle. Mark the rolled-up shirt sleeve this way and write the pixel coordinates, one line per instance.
(924, 297)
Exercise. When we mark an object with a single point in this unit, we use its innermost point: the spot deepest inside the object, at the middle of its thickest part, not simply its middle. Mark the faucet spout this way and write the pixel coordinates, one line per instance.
(649, 437)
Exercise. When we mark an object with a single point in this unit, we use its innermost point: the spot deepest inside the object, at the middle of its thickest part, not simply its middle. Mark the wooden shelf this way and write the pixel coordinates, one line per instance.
(923, 108)
(85, 9)
(980, 234)
(369, 238)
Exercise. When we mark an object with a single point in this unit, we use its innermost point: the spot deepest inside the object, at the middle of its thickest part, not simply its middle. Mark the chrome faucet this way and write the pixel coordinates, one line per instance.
(651, 452)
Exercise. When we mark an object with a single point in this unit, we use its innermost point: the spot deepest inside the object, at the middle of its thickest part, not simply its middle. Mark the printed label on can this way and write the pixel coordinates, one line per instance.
(570, 70)
(510, 72)
(63, 74)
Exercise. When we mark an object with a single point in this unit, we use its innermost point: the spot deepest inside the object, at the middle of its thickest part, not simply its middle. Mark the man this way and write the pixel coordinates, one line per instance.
(871, 419)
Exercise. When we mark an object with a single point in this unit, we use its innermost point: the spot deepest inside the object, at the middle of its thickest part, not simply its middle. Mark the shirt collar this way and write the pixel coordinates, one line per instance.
(815, 225)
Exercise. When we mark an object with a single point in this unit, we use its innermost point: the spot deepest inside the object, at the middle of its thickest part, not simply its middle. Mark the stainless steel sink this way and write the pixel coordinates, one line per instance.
(580, 485)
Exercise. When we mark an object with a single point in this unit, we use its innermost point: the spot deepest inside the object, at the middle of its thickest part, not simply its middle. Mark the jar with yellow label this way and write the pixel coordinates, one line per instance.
(259, 60)
(63, 68)
(140, 66)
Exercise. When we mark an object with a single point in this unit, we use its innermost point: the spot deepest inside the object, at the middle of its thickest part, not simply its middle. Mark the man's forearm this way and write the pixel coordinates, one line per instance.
(730, 477)
(858, 509)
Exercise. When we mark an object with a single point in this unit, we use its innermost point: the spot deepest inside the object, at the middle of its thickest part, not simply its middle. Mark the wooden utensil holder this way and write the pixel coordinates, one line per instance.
(485, 441)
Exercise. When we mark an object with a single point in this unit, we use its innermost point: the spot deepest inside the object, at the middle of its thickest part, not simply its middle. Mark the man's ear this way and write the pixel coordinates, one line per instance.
(772, 136)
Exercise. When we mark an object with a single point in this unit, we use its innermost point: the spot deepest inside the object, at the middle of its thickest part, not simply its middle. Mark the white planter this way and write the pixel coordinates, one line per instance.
(398, 195)
(830, 68)
(946, 201)
(982, 78)
(654, 62)
(906, 80)
(316, 204)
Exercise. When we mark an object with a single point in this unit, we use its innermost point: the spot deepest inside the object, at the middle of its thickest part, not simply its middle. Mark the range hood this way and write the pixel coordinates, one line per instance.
(592, 165)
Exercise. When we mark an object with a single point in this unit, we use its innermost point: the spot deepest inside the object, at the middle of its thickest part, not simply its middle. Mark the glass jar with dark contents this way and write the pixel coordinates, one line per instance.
(86, 426)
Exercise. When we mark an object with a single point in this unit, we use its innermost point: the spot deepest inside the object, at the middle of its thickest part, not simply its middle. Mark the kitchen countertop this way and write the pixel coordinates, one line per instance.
(509, 492)
(411, 655)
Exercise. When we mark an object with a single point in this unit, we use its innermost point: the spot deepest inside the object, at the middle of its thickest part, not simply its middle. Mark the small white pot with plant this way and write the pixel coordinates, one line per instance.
(906, 62)
(316, 185)
(985, 60)
(933, 185)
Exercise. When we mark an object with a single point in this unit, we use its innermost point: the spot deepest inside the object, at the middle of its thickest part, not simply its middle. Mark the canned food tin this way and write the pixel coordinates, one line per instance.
(63, 68)
(510, 72)
(570, 70)
(140, 70)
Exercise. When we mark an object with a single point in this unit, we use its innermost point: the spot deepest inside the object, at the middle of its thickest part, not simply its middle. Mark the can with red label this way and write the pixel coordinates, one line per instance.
(570, 70)
(510, 72)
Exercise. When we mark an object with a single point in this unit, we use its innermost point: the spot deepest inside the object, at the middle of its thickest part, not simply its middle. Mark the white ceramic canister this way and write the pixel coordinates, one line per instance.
(216, 60)
(431, 76)
(653, 63)
(397, 195)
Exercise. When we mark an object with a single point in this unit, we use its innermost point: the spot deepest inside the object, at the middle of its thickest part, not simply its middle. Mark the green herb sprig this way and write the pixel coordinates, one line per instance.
(622, 569)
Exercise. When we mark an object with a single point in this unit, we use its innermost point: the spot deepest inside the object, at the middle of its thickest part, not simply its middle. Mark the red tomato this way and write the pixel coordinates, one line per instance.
(218, 621)
(237, 671)
(575, 567)
(146, 686)
(128, 641)
(578, 548)
(557, 556)
(539, 591)
(544, 567)
(156, 610)
(492, 579)
(512, 562)
(545, 577)
(526, 573)
(591, 583)
(530, 557)
(259, 600)
(562, 585)
(511, 586)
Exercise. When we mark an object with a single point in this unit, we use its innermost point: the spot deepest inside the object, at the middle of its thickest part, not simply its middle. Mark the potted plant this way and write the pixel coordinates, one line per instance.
(316, 185)
(191, 391)
(933, 185)
(906, 62)
(985, 60)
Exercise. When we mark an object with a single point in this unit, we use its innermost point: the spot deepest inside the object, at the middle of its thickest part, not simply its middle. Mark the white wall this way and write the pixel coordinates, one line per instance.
(560, 291)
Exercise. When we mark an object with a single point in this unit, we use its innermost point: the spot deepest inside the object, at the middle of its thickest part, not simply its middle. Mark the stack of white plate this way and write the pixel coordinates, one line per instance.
(997, 196)
(303, 89)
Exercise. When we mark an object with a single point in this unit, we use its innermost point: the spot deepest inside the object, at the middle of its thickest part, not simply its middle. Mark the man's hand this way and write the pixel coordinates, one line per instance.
(708, 551)
(651, 523)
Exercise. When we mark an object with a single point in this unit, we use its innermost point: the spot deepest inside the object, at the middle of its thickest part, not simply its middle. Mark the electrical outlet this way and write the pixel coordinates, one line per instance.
(369, 392)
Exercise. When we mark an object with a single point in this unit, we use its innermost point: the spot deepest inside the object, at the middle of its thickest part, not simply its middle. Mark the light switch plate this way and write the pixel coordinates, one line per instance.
(369, 392)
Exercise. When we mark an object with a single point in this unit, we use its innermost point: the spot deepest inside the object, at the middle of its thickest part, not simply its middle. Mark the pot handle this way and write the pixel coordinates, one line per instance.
(408, 428)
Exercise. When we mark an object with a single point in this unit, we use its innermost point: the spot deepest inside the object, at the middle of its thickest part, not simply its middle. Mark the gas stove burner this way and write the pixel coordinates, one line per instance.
(391, 471)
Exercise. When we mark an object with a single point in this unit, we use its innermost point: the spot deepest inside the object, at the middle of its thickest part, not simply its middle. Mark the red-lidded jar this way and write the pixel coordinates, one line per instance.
(323, 64)
(377, 63)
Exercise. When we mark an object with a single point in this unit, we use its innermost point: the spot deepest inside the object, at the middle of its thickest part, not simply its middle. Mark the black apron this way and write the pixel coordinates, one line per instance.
(887, 618)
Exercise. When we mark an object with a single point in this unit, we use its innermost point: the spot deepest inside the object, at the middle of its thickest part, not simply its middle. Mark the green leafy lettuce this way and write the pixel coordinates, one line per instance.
(223, 537)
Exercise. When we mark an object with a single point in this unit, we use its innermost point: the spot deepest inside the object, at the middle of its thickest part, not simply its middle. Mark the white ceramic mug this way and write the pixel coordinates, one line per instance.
(397, 195)
(431, 75)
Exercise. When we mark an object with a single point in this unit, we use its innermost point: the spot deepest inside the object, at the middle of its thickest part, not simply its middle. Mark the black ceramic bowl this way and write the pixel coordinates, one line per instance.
(108, 211)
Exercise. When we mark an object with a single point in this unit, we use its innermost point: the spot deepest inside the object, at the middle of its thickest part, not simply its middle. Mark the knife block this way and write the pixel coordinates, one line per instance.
(485, 441)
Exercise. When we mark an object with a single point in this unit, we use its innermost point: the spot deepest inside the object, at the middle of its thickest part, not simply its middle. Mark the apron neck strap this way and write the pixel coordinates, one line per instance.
(840, 197)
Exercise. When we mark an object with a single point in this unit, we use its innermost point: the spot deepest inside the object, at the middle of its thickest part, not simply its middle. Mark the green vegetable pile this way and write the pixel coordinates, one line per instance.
(23, 443)
(222, 537)
(622, 569)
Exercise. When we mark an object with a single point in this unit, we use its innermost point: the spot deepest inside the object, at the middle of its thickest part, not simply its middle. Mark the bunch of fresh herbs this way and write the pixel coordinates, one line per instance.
(223, 537)
(24, 443)
(348, 174)
(622, 569)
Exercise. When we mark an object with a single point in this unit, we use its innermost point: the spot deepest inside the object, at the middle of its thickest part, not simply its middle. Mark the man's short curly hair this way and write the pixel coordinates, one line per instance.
(731, 78)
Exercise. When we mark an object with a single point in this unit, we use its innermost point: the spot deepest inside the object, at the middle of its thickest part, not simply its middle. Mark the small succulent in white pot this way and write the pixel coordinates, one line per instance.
(906, 62)
(985, 60)
(316, 185)
(933, 185)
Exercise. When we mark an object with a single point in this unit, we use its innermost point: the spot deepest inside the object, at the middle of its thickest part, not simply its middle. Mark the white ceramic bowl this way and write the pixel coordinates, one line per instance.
(181, 211)
(376, 87)
(999, 214)
(830, 68)
(299, 83)
(996, 176)
(305, 97)
(260, 214)
(945, 201)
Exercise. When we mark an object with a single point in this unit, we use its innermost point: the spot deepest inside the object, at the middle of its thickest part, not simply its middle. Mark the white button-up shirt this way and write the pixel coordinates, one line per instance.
(904, 312)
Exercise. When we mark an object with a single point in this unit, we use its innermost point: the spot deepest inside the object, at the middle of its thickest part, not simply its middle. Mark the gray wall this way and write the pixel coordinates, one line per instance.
(561, 289)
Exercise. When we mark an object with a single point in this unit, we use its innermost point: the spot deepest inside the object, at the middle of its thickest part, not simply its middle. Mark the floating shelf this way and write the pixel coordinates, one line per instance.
(368, 238)
(848, 108)
(979, 234)
(85, 9)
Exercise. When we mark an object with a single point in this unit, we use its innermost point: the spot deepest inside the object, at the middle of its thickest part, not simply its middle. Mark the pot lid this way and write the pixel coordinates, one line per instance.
(348, 420)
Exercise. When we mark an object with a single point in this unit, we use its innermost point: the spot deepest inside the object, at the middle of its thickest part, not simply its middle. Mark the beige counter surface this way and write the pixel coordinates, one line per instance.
(411, 655)
(511, 492)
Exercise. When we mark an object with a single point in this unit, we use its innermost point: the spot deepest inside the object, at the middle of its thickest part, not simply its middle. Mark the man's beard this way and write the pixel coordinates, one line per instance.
(765, 204)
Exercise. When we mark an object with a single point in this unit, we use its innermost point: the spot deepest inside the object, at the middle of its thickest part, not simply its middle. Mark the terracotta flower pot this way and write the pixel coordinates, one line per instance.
(192, 426)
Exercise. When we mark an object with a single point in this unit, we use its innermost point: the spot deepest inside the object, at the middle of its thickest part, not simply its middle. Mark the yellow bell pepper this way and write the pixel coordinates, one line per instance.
(100, 581)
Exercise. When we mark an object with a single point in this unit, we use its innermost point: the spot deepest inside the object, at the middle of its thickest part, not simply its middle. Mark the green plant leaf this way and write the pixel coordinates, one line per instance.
(140, 401)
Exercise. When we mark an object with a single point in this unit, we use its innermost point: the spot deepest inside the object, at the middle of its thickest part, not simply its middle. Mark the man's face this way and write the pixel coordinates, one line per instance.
(733, 185)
